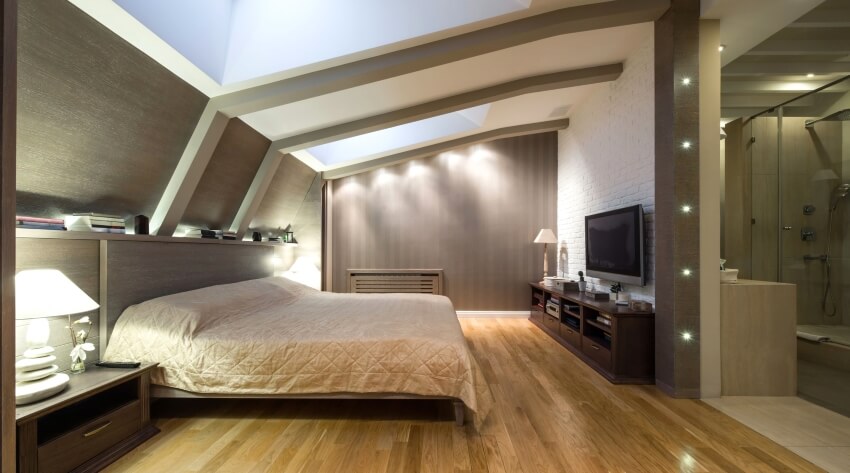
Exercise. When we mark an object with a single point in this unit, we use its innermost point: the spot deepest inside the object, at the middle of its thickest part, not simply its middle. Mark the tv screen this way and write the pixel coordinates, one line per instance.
(614, 245)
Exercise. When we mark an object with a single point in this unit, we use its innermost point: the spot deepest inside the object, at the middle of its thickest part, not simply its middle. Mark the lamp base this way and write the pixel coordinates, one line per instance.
(27, 392)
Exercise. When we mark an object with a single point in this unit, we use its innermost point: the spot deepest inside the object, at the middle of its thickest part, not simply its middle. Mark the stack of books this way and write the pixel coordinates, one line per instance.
(604, 319)
(94, 222)
(201, 233)
(38, 223)
(228, 235)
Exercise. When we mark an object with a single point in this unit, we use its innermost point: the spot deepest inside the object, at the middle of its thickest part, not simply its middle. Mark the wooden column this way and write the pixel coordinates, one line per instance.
(8, 23)
(677, 153)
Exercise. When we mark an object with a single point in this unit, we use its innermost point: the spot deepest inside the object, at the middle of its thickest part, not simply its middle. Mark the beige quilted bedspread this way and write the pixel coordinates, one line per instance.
(272, 336)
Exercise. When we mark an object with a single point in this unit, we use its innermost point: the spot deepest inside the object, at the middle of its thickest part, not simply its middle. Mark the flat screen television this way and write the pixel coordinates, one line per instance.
(614, 244)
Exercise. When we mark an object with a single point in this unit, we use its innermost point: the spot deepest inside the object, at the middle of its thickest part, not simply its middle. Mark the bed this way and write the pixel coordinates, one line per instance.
(273, 337)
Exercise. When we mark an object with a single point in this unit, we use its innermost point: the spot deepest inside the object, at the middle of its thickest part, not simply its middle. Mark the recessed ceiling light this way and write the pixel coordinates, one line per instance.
(810, 75)
(721, 47)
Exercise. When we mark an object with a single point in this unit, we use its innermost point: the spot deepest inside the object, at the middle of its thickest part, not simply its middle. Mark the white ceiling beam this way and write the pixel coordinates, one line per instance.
(495, 38)
(430, 150)
(191, 166)
(506, 90)
(792, 47)
(254, 196)
(780, 67)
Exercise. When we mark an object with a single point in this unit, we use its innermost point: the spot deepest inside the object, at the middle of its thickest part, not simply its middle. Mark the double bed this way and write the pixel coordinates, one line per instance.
(273, 337)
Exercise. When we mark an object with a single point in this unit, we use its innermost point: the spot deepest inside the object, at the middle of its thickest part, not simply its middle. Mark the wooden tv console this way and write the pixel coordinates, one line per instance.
(623, 352)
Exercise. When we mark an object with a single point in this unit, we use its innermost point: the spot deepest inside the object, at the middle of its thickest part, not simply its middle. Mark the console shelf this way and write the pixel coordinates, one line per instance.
(624, 352)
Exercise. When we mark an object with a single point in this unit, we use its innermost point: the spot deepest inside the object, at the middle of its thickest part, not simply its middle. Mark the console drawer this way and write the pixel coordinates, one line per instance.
(74, 448)
(551, 323)
(570, 335)
(596, 352)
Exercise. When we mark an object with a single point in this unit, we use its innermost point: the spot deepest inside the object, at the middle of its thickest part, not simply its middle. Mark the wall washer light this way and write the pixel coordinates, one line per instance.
(810, 75)
(686, 272)
(686, 209)
(686, 144)
(686, 81)
(721, 48)
(687, 336)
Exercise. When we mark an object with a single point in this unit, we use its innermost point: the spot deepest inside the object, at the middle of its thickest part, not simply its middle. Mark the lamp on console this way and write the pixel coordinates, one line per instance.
(546, 236)
(39, 294)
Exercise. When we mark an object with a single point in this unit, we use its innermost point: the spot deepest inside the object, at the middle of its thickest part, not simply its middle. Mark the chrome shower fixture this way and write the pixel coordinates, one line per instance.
(839, 193)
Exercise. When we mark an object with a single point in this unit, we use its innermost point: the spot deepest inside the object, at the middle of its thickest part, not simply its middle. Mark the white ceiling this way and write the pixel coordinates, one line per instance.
(573, 51)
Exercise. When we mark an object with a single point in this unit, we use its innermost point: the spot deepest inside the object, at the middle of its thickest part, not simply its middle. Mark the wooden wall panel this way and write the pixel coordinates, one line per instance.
(77, 259)
(137, 271)
(472, 212)
(227, 177)
(101, 125)
(284, 196)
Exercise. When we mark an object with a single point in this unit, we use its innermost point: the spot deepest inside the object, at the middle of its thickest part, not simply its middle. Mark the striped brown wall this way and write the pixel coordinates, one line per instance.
(227, 178)
(472, 212)
(100, 124)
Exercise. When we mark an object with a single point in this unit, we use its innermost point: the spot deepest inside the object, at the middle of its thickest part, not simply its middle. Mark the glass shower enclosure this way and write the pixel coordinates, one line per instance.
(794, 215)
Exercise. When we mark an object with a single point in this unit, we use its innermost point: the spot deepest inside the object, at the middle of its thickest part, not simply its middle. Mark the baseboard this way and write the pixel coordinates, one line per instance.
(689, 393)
(505, 314)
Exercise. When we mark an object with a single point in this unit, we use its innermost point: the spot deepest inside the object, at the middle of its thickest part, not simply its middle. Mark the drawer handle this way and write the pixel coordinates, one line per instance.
(594, 347)
(97, 430)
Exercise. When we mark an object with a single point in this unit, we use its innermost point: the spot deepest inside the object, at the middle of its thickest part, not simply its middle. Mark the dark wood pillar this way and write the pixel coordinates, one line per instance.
(8, 37)
(677, 320)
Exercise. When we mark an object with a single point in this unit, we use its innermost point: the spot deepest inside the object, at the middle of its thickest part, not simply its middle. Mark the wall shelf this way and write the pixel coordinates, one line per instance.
(72, 235)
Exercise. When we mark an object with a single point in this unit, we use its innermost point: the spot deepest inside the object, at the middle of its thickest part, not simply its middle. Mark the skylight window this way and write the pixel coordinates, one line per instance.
(237, 40)
(401, 136)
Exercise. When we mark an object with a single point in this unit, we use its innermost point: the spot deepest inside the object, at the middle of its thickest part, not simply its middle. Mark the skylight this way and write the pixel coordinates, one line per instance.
(237, 40)
(401, 136)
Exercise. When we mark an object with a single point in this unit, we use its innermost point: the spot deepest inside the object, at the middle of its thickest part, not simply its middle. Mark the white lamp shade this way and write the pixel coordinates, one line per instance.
(48, 293)
(546, 236)
(304, 265)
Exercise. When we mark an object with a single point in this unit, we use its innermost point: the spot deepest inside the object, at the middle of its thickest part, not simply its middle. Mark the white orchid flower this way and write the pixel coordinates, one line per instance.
(79, 351)
(84, 320)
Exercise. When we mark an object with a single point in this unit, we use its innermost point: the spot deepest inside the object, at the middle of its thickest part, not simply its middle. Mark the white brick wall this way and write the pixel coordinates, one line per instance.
(606, 160)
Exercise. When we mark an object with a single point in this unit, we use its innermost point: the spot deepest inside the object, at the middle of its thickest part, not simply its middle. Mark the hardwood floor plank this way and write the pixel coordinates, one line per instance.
(551, 413)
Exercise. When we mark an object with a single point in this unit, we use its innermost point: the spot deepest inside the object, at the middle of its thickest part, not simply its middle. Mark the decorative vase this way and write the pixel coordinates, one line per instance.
(582, 286)
(78, 365)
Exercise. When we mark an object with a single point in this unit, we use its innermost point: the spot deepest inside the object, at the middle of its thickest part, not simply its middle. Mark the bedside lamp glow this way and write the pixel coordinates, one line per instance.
(545, 236)
(42, 293)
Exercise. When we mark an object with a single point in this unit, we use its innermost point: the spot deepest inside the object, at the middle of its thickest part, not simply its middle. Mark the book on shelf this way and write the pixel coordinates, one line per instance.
(21, 219)
(201, 233)
(87, 223)
(40, 226)
(97, 215)
(604, 320)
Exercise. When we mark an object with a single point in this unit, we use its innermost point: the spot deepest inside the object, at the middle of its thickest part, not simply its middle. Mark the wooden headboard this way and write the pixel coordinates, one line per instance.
(132, 272)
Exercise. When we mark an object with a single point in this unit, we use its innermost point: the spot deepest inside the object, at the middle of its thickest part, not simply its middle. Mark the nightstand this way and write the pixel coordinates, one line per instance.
(102, 414)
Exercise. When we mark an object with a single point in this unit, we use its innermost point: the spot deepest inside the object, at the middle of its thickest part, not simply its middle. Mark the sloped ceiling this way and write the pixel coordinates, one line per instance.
(100, 124)
(101, 127)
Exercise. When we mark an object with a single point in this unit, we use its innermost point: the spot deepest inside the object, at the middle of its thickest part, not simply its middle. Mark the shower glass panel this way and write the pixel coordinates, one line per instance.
(786, 206)
(800, 214)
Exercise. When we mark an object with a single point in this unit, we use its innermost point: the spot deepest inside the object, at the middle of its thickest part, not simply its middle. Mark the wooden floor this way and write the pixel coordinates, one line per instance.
(552, 414)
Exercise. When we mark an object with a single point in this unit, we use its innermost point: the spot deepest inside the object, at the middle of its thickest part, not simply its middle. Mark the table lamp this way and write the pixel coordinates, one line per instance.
(305, 272)
(546, 236)
(39, 294)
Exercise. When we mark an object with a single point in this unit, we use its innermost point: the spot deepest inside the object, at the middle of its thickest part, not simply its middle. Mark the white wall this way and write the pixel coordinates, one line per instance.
(606, 160)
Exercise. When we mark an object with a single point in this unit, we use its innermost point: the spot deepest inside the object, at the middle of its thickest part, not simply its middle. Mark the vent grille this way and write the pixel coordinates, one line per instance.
(415, 281)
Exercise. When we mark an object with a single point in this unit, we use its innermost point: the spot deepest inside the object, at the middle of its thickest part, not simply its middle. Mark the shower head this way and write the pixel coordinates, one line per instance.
(839, 193)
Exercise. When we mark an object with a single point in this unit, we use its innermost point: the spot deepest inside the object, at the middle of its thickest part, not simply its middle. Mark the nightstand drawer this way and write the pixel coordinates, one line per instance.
(79, 445)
